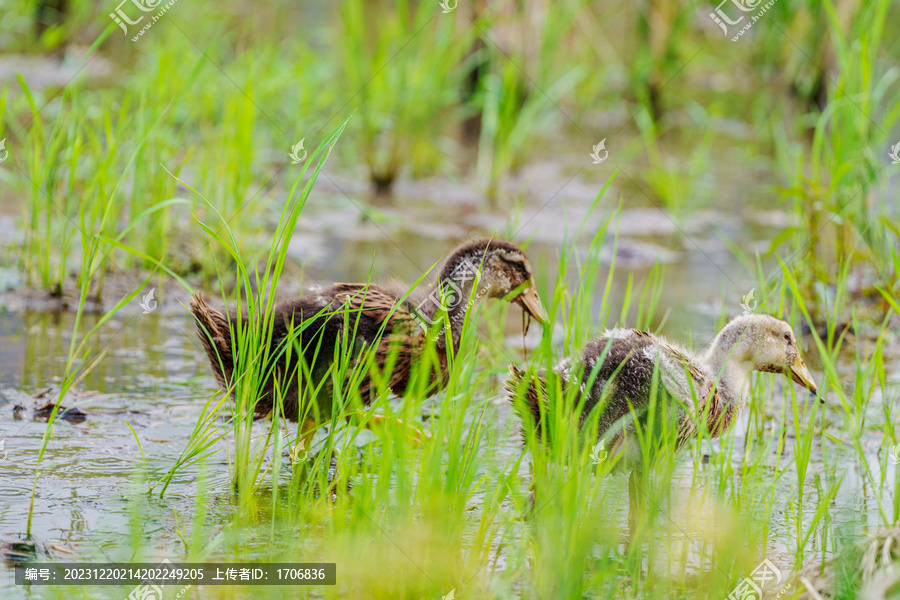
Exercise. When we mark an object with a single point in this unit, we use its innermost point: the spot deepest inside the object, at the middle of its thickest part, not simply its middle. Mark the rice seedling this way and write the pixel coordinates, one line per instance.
(44, 219)
(76, 161)
(81, 358)
(833, 187)
(404, 76)
(519, 88)
(660, 27)
(512, 112)
(252, 362)
(775, 51)
(679, 184)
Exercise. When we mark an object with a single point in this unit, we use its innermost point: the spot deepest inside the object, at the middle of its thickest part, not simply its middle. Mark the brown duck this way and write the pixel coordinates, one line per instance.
(700, 392)
(387, 321)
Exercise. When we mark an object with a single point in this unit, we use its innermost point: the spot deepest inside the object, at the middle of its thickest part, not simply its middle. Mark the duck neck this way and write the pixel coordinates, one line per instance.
(457, 290)
(728, 359)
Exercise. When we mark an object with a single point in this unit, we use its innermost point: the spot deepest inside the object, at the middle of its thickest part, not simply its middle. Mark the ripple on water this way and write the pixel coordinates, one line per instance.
(10, 491)
(104, 466)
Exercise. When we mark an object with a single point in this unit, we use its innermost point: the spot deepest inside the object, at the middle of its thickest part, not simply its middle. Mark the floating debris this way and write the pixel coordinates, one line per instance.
(72, 415)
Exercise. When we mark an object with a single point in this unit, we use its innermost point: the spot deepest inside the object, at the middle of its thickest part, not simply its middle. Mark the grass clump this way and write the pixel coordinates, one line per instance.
(405, 77)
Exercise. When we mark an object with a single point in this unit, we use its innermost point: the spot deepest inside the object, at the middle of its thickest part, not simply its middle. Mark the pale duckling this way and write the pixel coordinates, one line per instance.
(615, 374)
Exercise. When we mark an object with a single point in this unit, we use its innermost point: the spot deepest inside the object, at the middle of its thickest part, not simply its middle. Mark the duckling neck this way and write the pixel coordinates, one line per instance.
(456, 291)
(730, 365)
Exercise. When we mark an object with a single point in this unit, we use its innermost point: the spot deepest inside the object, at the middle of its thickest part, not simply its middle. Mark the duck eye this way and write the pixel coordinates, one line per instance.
(512, 261)
(517, 265)
(787, 337)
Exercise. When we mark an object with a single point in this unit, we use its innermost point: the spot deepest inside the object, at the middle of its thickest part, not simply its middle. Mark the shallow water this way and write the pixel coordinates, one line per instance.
(149, 379)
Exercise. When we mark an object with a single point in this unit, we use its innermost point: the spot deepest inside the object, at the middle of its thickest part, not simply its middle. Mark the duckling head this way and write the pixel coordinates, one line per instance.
(503, 271)
(759, 342)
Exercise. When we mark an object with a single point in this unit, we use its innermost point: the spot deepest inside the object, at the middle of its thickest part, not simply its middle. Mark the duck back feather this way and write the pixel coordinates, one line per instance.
(214, 331)
(618, 375)
(342, 319)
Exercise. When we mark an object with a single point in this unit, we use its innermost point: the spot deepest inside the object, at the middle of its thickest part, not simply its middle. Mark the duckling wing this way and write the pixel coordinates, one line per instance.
(620, 370)
(397, 337)
(698, 392)
(373, 319)
(617, 378)
(528, 394)
(681, 376)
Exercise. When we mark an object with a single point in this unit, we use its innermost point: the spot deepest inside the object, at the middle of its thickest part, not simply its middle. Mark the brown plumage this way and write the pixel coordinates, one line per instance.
(699, 390)
(353, 322)
(617, 374)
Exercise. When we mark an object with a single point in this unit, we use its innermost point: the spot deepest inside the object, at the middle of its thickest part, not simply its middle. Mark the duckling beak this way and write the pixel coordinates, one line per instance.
(531, 302)
(801, 375)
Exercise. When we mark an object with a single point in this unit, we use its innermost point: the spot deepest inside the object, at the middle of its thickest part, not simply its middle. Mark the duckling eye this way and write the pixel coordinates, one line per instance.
(787, 338)
(517, 265)
(513, 262)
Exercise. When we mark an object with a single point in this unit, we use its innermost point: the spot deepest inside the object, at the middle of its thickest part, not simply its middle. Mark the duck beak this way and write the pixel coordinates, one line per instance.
(531, 303)
(801, 375)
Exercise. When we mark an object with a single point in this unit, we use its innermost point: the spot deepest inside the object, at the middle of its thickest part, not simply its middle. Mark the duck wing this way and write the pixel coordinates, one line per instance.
(698, 390)
(618, 380)
(366, 314)
(527, 392)
(380, 321)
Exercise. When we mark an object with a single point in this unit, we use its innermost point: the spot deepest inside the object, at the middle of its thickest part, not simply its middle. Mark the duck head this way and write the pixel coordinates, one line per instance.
(501, 270)
(763, 343)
